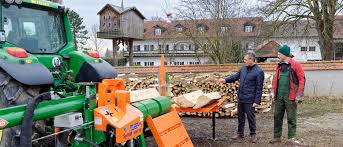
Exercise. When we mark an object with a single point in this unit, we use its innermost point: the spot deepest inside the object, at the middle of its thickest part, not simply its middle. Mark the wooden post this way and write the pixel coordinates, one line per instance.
(115, 49)
(130, 48)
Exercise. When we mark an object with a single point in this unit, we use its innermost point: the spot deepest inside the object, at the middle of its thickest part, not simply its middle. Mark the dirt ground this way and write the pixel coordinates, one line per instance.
(319, 124)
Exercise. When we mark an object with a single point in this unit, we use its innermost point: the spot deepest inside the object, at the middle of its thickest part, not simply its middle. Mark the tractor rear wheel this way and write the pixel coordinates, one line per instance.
(14, 93)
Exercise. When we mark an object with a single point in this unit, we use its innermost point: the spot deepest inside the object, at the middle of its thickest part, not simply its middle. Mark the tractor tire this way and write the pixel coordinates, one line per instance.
(14, 93)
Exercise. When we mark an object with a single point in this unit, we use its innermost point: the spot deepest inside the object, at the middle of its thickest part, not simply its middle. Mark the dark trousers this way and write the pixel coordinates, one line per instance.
(249, 111)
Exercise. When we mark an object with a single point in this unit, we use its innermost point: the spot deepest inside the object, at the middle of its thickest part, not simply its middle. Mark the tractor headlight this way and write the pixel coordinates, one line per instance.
(9, 1)
(18, 1)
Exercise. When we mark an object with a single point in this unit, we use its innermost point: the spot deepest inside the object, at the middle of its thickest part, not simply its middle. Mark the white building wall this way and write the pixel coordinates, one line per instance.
(185, 60)
(297, 42)
(156, 60)
(158, 42)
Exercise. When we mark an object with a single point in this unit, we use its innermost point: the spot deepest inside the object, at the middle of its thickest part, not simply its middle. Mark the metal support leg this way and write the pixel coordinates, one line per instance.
(214, 125)
(141, 140)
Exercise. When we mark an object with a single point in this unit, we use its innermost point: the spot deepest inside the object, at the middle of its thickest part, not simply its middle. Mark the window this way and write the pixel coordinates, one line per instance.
(158, 31)
(179, 63)
(137, 48)
(248, 28)
(247, 46)
(146, 47)
(182, 47)
(179, 29)
(137, 63)
(29, 32)
(193, 63)
(167, 47)
(148, 63)
(201, 29)
(223, 29)
(312, 48)
(190, 47)
(206, 46)
(29, 28)
(303, 49)
(152, 47)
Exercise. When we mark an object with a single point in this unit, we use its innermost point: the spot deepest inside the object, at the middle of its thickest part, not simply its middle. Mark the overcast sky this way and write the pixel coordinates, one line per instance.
(88, 9)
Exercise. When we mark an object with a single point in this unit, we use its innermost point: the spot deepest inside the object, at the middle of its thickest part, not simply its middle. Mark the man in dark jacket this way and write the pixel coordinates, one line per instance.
(249, 94)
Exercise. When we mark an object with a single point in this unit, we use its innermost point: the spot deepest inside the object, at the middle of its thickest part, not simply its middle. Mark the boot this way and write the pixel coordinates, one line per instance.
(275, 140)
(253, 139)
(238, 136)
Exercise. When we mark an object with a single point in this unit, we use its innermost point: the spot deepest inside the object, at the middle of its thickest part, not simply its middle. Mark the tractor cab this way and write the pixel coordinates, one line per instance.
(36, 28)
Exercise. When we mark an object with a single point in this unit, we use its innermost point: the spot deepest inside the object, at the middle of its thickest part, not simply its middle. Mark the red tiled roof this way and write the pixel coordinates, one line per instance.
(268, 50)
(235, 26)
(301, 28)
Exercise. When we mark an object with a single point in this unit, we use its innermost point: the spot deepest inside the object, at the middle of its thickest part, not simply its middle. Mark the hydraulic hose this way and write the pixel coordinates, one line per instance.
(26, 128)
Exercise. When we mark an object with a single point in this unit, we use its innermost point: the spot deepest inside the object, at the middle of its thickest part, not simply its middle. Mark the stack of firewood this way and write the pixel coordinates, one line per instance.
(207, 83)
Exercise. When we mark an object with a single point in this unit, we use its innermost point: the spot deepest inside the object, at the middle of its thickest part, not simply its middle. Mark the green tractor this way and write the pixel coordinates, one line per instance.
(49, 91)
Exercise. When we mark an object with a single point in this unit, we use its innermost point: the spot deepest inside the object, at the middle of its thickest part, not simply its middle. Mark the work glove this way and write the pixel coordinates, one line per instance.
(272, 96)
(299, 98)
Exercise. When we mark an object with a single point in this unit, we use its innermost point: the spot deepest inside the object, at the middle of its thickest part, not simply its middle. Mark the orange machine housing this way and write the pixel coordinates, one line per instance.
(114, 110)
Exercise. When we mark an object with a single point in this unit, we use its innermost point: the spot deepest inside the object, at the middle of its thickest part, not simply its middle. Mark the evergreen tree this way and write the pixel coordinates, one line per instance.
(78, 29)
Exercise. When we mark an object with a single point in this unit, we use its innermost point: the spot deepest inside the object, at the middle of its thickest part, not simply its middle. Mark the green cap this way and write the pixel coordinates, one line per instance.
(285, 50)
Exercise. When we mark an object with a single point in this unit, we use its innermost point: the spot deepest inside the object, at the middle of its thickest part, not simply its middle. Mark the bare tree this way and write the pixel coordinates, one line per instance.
(156, 18)
(322, 12)
(97, 43)
(209, 27)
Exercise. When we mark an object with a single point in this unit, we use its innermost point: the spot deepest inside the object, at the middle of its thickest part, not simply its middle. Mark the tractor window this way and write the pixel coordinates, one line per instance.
(35, 30)
(30, 28)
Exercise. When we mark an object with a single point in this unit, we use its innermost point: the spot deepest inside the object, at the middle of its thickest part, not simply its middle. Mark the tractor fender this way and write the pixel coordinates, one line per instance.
(95, 72)
(28, 74)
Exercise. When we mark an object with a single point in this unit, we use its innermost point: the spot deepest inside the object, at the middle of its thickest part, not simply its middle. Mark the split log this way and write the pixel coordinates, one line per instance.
(189, 99)
(206, 99)
(144, 94)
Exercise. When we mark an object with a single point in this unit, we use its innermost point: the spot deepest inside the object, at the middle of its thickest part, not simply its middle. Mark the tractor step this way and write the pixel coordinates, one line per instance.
(168, 130)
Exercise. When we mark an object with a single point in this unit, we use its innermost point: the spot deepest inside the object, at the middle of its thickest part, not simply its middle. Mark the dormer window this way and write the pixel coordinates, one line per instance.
(179, 29)
(223, 29)
(158, 31)
(202, 28)
(248, 28)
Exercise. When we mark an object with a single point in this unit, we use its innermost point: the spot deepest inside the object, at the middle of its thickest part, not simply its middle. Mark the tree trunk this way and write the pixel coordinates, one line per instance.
(130, 48)
(115, 48)
(328, 48)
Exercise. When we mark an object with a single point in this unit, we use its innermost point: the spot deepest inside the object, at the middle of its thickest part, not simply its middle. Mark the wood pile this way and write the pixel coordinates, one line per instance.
(207, 83)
